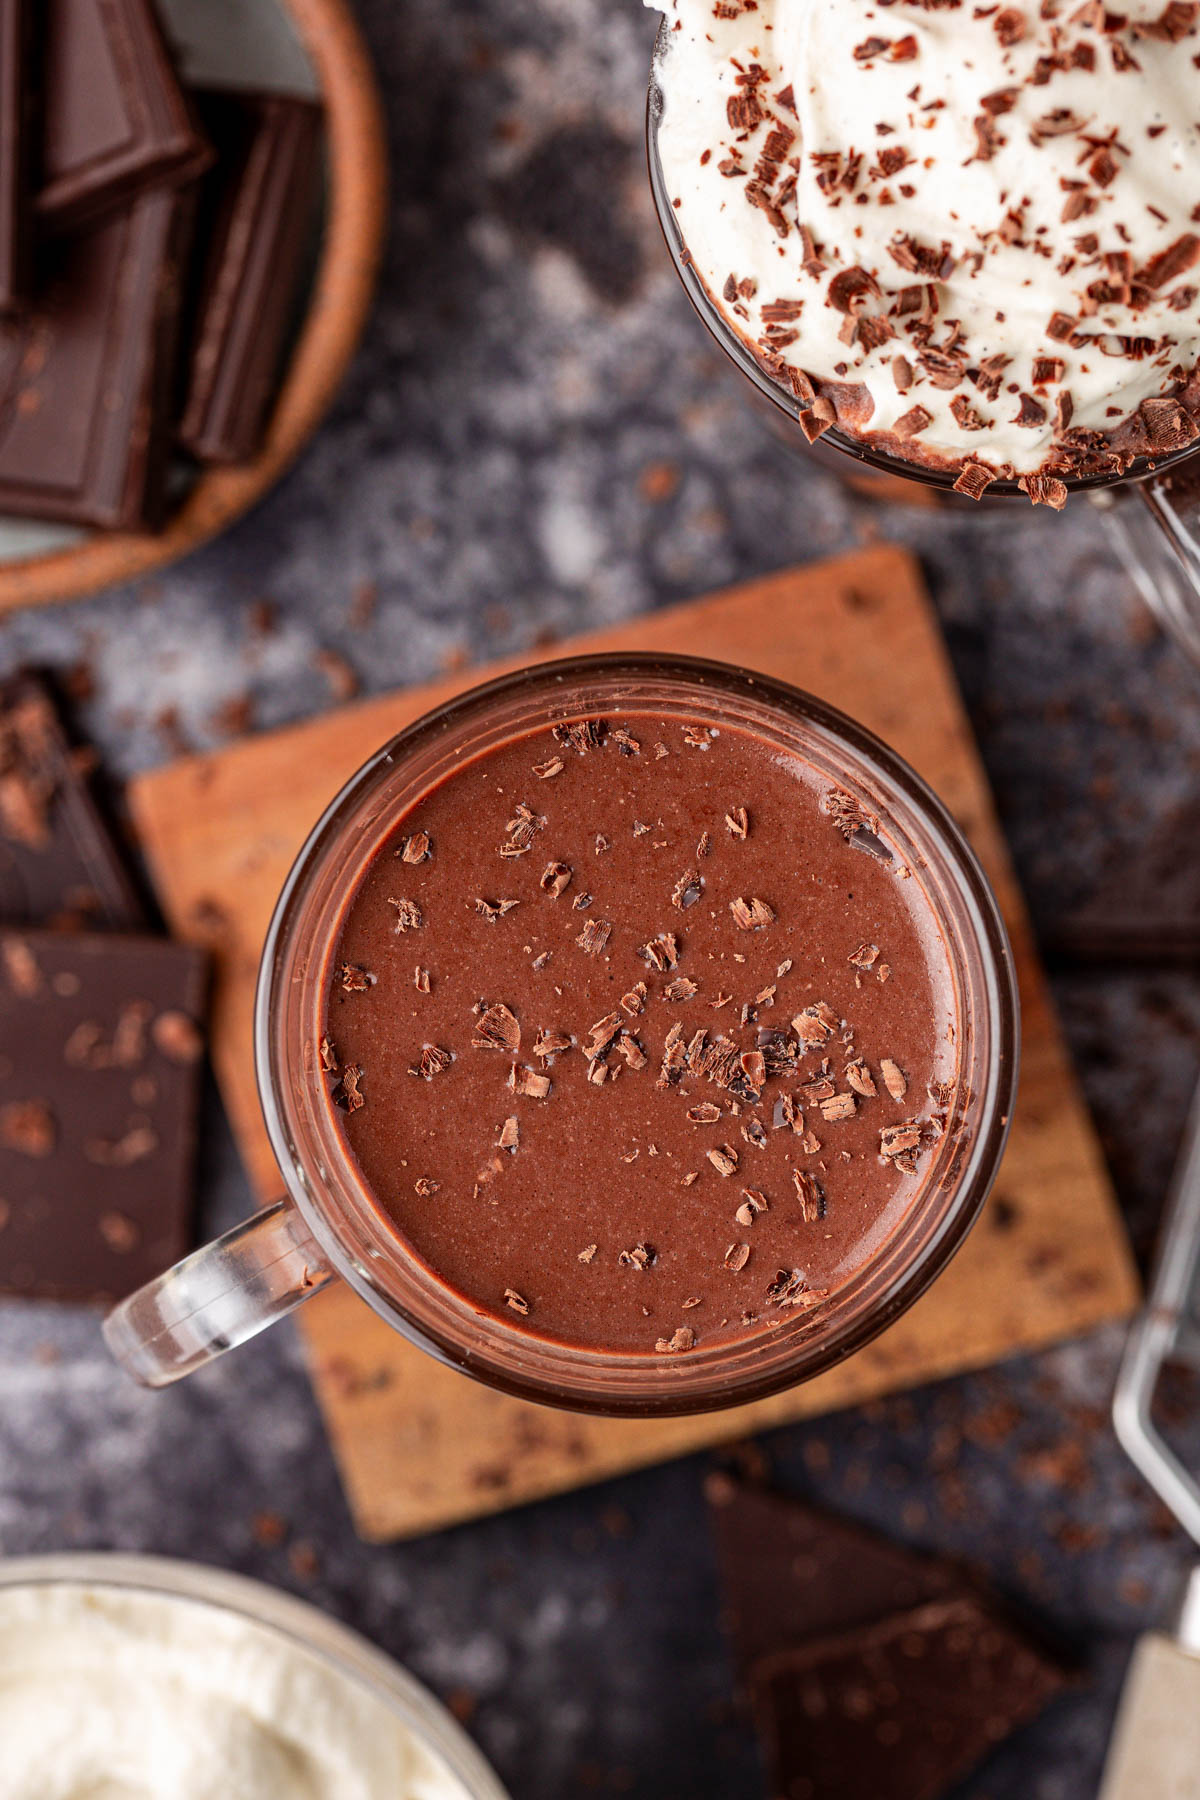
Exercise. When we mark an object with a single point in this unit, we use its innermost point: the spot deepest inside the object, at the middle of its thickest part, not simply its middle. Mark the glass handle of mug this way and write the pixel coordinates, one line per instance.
(218, 1297)
(1156, 528)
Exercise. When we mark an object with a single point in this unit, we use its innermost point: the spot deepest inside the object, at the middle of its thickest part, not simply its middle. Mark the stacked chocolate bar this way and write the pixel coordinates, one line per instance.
(101, 1045)
(151, 245)
(870, 1669)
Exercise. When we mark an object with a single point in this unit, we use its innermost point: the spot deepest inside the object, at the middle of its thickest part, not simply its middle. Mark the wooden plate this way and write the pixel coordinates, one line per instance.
(343, 283)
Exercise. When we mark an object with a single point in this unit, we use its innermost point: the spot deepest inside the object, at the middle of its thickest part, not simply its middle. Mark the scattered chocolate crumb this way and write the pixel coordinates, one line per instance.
(432, 1061)
(838, 1106)
(642, 1256)
(491, 910)
(497, 1029)
(687, 890)
(416, 849)
(680, 989)
(738, 822)
(810, 1194)
(788, 1288)
(860, 1079)
(408, 914)
(683, 1339)
(338, 672)
(751, 915)
(898, 1140)
(426, 1187)
(421, 979)
(724, 1159)
(528, 1082)
(594, 936)
(736, 1258)
(515, 1301)
(351, 1097)
(352, 979)
(510, 1134)
(546, 771)
(894, 1079)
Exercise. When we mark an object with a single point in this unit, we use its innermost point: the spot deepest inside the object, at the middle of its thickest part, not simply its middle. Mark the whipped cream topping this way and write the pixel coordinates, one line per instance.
(969, 233)
(113, 1695)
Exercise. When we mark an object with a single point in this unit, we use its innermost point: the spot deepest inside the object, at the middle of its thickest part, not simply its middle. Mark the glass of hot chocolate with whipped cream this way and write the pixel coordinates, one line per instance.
(959, 243)
(638, 1035)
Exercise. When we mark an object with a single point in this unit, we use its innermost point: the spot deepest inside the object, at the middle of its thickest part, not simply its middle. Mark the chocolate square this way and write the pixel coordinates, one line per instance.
(116, 118)
(257, 213)
(900, 1710)
(100, 1065)
(790, 1572)
(86, 375)
(60, 865)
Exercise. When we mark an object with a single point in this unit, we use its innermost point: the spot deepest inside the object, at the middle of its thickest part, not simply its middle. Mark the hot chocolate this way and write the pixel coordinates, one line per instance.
(964, 236)
(641, 1033)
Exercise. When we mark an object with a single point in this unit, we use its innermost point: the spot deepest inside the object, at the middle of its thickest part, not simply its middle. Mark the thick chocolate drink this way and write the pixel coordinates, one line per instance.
(640, 1034)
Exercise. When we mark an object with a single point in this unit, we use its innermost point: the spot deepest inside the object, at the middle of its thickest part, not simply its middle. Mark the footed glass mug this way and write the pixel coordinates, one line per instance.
(330, 1227)
(1152, 511)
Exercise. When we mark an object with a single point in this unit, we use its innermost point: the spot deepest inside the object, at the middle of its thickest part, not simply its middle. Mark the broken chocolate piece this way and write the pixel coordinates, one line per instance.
(60, 864)
(97, 1110)
(87, 372)
(116, 120)
(256, 222)
(900, 1710)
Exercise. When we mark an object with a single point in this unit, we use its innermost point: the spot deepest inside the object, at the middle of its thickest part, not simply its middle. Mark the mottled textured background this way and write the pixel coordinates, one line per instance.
(536, 438)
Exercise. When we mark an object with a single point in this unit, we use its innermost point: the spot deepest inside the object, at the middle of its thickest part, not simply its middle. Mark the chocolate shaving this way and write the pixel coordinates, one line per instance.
(751, 915)
(498, 1029)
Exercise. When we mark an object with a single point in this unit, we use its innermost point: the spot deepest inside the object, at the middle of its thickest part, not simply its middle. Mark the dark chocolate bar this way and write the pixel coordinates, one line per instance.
(900, 1710)
(257, 214)
(86, 377)
(116, 118)
(100, 1063)
(59, 863)
(19, 88)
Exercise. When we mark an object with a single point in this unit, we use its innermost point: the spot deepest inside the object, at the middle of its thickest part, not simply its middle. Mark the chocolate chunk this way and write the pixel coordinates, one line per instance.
(20, 88)
(99, 1084)
(86, 373)
(900, 1710)
(256, 223)
(790, 1572)
(116, 118)
(60, 865)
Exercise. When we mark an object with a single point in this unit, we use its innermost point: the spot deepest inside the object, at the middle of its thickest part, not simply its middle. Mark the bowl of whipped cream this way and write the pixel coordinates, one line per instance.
(135, 1678)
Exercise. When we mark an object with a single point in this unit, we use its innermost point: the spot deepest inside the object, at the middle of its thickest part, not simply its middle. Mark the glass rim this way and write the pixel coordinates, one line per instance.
(698, 1382)
(350, 1654)
(738, 351)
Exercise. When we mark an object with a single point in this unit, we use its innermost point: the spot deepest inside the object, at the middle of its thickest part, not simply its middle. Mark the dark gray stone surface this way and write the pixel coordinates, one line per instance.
(535, 438)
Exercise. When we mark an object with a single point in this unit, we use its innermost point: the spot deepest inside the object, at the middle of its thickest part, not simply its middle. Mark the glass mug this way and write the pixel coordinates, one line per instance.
(330, 1227)
(1152, 512)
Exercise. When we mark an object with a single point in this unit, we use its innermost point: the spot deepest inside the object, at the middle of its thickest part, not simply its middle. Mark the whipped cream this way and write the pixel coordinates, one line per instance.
(970, 232)
(107, 1694)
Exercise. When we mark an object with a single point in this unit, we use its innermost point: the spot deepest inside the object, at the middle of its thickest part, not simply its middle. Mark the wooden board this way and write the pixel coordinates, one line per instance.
(421, 1446)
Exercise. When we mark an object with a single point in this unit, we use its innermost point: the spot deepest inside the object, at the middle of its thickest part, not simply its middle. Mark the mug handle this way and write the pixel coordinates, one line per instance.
(218, 1297)
(1156, 528)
